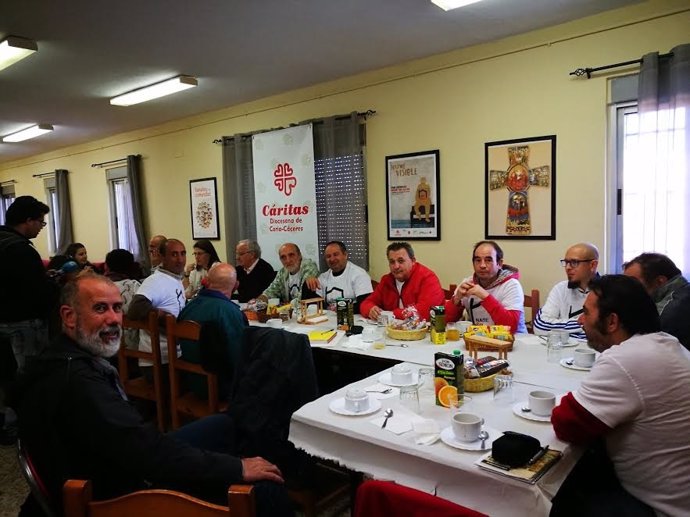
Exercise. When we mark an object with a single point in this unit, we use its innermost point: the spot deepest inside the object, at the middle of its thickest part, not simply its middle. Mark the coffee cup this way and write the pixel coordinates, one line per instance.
(369, 334)
(401, 374)
(466, 426)
(356, 400)
(541, 402)
(463, 326)
(584, 357)
(275, 323)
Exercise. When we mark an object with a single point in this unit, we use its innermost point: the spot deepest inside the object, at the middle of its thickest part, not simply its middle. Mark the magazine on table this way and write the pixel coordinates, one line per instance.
(527, 474)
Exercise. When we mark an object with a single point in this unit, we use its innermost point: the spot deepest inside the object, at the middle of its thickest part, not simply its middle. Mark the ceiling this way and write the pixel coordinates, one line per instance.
(240, 50)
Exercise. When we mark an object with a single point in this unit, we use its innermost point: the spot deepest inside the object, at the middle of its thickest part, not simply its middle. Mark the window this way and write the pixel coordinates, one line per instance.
(6, 199)
(53, 218)
(122, 232)
(650, 184)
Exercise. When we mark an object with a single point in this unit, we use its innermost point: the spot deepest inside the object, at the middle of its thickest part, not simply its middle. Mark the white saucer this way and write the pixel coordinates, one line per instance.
(573, 366)
(338, 406)
(528, 415)
(386, 379)
(448, 438)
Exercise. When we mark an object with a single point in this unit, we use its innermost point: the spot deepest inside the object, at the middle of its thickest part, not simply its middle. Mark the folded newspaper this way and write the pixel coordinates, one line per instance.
(527, 474)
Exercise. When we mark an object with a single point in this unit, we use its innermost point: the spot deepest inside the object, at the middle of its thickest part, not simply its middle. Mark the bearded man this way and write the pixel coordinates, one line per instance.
(76, 421)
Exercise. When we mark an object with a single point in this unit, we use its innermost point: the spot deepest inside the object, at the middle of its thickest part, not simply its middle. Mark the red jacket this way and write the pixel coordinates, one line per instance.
(422, 289)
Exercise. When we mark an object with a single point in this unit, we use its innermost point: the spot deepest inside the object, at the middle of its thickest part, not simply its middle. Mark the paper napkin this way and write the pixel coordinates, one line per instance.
(427, 432)
(397, 424)
(355, 342)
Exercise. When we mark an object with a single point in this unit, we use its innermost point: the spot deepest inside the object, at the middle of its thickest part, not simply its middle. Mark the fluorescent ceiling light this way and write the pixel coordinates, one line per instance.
(13, 48)
(177, 84)
(447, 5)
(29, 132)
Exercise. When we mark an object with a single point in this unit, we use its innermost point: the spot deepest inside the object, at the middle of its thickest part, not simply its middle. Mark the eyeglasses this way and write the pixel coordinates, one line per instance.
(43, 223)
(238, 255)
(573, 262)
(200, 253)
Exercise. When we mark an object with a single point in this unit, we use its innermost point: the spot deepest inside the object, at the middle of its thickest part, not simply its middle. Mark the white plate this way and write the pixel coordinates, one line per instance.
(448, 438)
(338, 406)
(386, 379)
(573, 366)
(528, 415)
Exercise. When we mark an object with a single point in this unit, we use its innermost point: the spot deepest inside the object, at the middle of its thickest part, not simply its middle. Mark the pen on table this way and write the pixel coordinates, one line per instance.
(538, 455)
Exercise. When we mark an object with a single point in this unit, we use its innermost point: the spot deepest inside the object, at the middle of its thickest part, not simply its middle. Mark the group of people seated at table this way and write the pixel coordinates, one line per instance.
(75, 416)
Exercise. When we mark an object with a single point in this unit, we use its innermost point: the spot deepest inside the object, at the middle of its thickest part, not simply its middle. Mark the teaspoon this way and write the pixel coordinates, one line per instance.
(483, 435)
(387, 413)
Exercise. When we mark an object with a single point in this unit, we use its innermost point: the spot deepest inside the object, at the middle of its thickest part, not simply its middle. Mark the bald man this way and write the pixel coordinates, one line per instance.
(564, 304)
(213, 308)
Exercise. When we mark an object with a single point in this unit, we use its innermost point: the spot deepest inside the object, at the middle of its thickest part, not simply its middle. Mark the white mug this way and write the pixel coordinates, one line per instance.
(463, 326)
(356, 400)
(541, 402)
(401, 374)
(584, 357)
(466, 426)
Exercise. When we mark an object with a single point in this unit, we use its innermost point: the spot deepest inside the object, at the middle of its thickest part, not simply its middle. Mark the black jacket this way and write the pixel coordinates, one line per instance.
(254, 283)
(76, 423)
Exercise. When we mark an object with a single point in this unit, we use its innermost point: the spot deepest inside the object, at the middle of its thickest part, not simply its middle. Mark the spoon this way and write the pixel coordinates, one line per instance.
(387, 413)
(383, 392)
(569, 362)
(401, 345)
(525, 409)
(483, 435)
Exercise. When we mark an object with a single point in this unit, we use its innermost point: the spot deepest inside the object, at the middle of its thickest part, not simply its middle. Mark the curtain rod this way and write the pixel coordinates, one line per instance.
(8, 182)
(43, 174)
(579, 72)
(363, 114)
(109, 162)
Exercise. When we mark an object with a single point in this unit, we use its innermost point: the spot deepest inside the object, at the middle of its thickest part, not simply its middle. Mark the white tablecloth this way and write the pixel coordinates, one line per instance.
(448, 472)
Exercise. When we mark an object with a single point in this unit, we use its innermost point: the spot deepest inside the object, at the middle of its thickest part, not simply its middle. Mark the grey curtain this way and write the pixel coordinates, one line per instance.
(340, 186)
(238, 192)
(664, 114)
(65, 235)
(134, 182)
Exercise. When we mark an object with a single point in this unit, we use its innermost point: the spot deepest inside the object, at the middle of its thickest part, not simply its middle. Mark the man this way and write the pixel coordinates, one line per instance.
(564, 304)
(213, 307)
(154, 251)
(163, 292)
(254, 274)
(669, 290)
(343, 278)
(77, 423)
(289, 282)
(635, 399)
(409, 283)
(26, 296)
(493, 295)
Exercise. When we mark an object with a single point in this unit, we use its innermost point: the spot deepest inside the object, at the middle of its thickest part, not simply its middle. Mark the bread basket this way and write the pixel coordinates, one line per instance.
(480, 384)
(406, 335)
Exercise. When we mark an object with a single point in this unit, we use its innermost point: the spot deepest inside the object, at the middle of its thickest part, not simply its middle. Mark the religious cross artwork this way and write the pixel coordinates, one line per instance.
(521, 189)
(412, 196)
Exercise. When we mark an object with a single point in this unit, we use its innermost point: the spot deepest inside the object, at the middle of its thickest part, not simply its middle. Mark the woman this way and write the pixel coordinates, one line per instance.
(204, 257)
(77, 252)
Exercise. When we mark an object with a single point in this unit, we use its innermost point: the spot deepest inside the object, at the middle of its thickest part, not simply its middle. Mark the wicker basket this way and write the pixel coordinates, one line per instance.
(480, 384)
(485, 347)
(406, 335)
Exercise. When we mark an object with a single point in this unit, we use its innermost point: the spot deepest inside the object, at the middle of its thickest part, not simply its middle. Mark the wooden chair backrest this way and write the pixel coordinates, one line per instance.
(77, 501)
(33, 478)
(190, 331)
(150, 325)
(531, 301)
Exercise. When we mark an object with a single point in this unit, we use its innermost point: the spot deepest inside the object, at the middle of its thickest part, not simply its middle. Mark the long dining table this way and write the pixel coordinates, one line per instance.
(360, 444)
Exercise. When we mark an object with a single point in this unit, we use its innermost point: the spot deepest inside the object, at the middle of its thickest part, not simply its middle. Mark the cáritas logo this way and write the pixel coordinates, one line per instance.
(285, 179)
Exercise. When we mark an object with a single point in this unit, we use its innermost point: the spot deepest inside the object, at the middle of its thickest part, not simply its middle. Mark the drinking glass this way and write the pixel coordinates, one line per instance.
(503, 389)
(409, 397)
(459, 403)
(554, 346)
(427, 392)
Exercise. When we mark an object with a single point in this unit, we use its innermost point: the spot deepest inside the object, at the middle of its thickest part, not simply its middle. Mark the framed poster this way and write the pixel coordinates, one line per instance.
(203, 198)
(520, 192)
(412, 196)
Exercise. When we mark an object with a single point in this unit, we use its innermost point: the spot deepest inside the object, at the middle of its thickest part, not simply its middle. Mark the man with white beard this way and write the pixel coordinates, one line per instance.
(76, 422)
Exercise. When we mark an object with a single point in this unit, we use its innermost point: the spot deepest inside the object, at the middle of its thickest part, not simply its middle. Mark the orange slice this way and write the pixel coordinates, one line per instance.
(439, 382)
(446, 394)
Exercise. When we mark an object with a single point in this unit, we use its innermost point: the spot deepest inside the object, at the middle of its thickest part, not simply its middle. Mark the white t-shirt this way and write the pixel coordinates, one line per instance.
(351, 283)
(294, 285)
(641, 389)
(165, 292)
(509, 294)
(561, 311)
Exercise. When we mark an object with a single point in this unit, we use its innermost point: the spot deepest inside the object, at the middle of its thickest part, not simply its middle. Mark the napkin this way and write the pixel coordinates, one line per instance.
(355, 342)
(371, 390)
(427, 432)
(397, 424)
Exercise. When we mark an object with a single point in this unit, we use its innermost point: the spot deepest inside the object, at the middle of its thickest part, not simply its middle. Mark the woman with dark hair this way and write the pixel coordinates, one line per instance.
(205, 256)
(77, 252)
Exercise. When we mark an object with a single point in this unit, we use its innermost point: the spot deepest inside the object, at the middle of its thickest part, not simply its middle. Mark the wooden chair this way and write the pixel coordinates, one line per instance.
(188, 403)
(39, 491)
(532, 302)
(139, 387)
(77, 502)
(448, 293)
